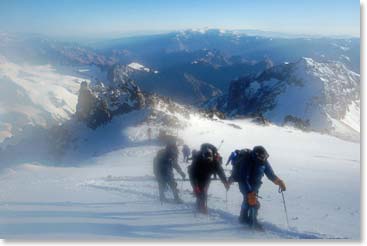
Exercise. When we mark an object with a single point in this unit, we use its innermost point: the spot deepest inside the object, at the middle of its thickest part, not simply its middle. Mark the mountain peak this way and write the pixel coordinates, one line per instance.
(310, 94)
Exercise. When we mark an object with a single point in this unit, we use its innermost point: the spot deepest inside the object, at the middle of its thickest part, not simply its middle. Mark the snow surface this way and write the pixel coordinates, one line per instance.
(45, 86)
(352, 117)
(140, 67)
(37, 95)
(114, 195)
(318, 92)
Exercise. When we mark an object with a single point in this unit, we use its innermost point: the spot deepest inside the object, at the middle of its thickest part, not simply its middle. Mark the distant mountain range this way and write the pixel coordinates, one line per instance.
(193, 67)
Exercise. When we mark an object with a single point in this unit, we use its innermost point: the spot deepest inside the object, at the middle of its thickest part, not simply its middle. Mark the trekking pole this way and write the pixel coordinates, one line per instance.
(220, 145)
(227, 200)
(285, 207)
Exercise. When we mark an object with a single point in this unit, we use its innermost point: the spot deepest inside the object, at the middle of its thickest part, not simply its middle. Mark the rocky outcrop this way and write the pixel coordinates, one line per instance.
(290, 120)
(98, 104)
(91, 109)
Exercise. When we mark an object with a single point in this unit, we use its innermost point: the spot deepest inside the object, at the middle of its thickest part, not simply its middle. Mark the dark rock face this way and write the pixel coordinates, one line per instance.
(122, 94)
(236, 93)
(212, 113)
(297, 122)
(98, 104)
(248, 96)
(90, 109)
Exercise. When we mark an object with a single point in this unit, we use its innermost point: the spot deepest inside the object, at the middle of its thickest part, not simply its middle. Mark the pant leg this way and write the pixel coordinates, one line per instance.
(161, 187)
(245, 206)
(244, 192)
(173, 185)
(200, 191)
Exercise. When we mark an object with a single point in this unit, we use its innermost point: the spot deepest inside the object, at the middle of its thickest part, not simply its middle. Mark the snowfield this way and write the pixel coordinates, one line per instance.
(35, 95)
(139, 67)
(114, 195)
(43, 95)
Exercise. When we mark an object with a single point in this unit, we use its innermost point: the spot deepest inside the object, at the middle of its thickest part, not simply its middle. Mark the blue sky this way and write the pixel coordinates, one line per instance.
(110, 17)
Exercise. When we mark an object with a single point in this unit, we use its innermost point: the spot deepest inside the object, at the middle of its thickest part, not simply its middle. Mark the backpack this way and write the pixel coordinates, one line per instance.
(238, 162)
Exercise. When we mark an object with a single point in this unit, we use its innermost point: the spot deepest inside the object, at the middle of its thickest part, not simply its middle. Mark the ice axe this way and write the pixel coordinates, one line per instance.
(285, 207)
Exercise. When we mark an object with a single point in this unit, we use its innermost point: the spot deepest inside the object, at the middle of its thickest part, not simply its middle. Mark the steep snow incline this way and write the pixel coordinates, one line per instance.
(114, 195)
(313, 91)
(37, 95)
(352, 117)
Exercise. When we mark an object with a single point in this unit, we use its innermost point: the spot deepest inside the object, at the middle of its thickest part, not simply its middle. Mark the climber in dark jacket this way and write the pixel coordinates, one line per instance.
(206, 163)
(252, 166)
(164, 163)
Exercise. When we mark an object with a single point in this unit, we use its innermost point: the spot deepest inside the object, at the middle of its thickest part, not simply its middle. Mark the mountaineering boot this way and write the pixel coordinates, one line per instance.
(177, 199)
(201, 206)
(162, 197)
(243, 218)
(253, 222)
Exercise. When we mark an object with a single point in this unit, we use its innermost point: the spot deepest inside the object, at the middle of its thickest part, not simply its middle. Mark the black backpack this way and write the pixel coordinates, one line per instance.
(240, 160)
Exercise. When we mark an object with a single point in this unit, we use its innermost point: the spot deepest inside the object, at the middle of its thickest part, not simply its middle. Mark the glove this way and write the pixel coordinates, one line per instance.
(218, 158)
(280, 183)
(251, 199)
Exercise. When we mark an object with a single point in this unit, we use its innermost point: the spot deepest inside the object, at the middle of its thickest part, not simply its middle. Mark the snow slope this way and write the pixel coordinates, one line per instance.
(113, 195)
(352, 117)
(329, 93)
(37, 95)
